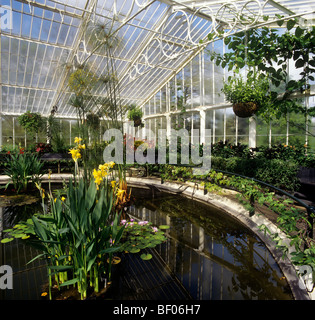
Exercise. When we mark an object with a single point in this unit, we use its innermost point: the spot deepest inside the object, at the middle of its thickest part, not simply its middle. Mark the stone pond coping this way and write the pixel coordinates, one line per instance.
(235, 209)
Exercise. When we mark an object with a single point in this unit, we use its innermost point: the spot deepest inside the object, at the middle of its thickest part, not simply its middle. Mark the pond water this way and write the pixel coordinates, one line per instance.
(208, 256)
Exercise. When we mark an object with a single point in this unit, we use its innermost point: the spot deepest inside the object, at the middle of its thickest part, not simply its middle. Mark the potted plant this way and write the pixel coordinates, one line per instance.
(135, 114)
(31, 122)
(248, 95)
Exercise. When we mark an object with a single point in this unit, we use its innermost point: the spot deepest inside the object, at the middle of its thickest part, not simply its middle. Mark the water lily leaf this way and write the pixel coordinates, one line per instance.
(134, 250)
(164, 227)
(6, 240)
(19, 235)
(145, 256)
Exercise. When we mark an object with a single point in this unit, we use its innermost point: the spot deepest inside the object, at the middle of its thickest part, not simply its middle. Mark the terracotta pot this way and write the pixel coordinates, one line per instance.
(245, 109)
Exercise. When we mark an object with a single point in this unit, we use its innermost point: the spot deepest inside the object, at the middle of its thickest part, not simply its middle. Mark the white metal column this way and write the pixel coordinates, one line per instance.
(252, 132)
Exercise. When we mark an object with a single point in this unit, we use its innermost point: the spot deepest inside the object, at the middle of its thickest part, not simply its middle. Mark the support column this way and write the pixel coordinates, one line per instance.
(13, 132)
(168, 126)
(252, 132)
(202, 115)
(1, 131)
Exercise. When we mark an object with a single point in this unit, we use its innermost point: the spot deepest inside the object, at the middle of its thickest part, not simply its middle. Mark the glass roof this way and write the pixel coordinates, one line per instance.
(153, 41)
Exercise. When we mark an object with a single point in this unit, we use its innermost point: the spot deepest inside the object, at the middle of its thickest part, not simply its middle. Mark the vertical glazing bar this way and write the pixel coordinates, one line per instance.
(191, 85)
(236, 129)
(288, 128)
(213, 127)
(270, 134)
(306, 120)
(202, 126)
(70, 132)
(224, 125)
(0, 131)
(13, 132)
(252, 132)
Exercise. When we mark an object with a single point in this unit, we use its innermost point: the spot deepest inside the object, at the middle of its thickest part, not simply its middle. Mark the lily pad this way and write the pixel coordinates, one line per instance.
(164, 227)
(146, 256)
(6, 240)
(134, 250)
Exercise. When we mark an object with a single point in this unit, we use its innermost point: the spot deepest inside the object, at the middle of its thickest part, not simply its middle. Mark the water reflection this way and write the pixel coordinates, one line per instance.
(213, 255)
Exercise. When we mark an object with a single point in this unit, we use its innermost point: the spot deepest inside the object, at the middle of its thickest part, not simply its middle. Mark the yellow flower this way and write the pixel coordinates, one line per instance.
(44, 294)
(103, 169)
(77, 140)
(81, 146)
(98, 180)
(111, 164)
(75, 153)
(97, 173)
(120, 192)
(63, 198)
(55, 199)
(113, 183)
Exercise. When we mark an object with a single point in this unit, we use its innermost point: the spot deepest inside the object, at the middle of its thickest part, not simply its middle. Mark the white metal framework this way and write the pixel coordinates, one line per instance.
(158, 44)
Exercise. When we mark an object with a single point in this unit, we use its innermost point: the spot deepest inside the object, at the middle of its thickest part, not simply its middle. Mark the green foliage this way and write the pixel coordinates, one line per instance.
(78, 237)
(227, 150)
(23, 169)
(31, 122)
(268, 52)
(135, 114)
(252, 89)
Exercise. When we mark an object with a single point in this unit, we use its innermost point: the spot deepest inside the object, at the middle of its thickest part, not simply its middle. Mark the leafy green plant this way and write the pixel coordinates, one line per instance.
(78, 238)
(31, 122)
(135, 114)
(251, 92)
(23, 169)
(269, 52)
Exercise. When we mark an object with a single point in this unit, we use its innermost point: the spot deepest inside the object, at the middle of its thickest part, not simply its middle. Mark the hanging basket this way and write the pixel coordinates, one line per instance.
(137, 121)
(245, 109)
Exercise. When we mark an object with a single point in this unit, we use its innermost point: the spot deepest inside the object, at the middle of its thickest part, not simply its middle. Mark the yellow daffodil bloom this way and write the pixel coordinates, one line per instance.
(81, 146)
(111, 164)
(75, 153)
(63, 198)
(113, 183)
(77, 140)
(98, 180)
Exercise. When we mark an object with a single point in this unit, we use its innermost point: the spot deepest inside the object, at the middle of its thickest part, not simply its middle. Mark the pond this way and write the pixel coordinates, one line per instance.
(208, 255)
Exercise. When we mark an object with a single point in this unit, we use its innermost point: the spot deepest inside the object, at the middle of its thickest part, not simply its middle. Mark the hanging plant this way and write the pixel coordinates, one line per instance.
(248, 95)
(31, 122)
(135, 114)
(269, 52)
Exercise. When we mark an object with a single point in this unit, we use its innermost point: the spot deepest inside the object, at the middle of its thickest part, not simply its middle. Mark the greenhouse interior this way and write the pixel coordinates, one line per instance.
(157, 150)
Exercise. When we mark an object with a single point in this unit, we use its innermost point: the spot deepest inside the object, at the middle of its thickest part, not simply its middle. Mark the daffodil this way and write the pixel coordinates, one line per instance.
(111, 164)
(75, 153)
(98, 180)
(113, 183)
(77, 140)
(63, 198)
(81, 146)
